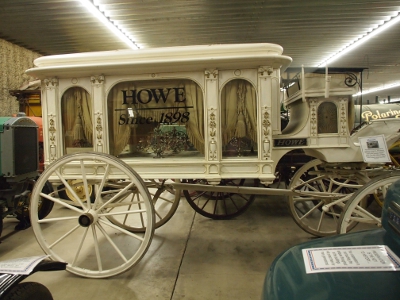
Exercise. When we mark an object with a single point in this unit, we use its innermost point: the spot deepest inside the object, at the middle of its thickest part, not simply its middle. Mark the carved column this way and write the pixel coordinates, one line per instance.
(212, 131)
(99, 107)
(265, 91)
(266, 133)
(51, 136)
(313, 122)
(343, 123)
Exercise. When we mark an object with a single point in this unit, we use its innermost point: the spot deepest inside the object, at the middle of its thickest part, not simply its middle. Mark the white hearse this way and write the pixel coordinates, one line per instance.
(206, 118)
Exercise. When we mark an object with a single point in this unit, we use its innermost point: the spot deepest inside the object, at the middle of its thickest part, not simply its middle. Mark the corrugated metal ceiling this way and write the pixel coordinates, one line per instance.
(309, 31)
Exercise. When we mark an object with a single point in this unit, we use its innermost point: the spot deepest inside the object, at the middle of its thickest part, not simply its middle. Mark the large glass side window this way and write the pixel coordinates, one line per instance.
(76, 115)
(239, 119)
(160, 118)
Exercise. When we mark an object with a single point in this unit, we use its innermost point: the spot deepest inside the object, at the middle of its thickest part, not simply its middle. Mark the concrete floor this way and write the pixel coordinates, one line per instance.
(190, 257)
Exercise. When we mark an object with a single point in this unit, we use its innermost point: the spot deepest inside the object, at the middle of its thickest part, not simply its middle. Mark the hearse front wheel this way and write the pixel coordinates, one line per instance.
(86, 236)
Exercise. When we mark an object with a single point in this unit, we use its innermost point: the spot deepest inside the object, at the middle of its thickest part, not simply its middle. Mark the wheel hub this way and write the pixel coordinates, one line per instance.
(87, 219)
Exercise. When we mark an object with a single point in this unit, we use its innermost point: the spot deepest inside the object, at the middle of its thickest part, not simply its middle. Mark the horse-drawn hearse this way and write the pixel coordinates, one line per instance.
(126, 132)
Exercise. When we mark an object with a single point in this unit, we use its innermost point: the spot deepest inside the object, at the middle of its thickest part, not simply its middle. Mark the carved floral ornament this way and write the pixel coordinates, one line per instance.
(99, 128)
(313, 117)
(266, 131)
(343, 116)
(52, 137)
(213, 143)
(212, 124)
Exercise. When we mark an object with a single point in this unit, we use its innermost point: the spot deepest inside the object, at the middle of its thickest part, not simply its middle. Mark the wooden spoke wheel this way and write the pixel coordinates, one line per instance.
(320, 197)
(163, 198)
(361, 210)
(394, 152)
(221, 205)
(92, 236)
(76, 192)
(44, 208)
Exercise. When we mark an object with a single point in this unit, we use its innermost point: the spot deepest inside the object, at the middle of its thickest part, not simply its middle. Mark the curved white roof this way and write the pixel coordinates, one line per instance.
(171, 59)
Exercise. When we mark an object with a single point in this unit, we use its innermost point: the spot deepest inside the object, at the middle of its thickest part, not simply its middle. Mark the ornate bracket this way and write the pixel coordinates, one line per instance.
(351, 80)
(211, 74)
(51, 83)
(97, 79)
(265, 71)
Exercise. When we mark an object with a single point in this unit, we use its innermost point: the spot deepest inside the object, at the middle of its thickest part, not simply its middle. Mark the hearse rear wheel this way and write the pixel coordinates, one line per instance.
(221, 205)
(164, 200)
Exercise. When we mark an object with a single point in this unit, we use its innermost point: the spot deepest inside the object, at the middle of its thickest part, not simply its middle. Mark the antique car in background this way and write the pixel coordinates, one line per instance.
(287, 277)
(21, 160)
(12, 287)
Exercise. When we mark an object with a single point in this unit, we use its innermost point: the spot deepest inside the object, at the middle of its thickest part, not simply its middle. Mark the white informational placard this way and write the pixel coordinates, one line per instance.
(374, 149)
(22, 266)
(352, 258)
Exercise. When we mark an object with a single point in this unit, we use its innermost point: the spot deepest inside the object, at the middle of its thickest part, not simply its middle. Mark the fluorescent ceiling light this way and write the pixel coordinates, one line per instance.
(374, 90)
(356, 43)
(395, 101)
(95, 10)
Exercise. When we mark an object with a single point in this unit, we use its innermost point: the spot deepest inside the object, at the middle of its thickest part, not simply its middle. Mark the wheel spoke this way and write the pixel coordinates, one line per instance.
(64, 236)
(49, 220)
(102, 184)
(122, 230)
(314, 208)
(124, 212)
(85, 184)
(78, 250)
(360, 214)
(115, 197)
(70, 189)
(321, 218)
(96, 248)
(112, 243)
(66, 205)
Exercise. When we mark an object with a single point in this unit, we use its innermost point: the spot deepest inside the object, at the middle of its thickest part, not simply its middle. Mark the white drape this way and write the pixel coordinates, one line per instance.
(118, 135)
(195, 125)
(76, 110)
(238, 111)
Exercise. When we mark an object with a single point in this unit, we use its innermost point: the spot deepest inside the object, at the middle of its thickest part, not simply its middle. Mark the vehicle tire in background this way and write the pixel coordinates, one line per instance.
(28, 291)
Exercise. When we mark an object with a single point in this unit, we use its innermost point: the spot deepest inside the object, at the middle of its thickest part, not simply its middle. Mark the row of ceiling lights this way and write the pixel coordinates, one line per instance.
(101, 14)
